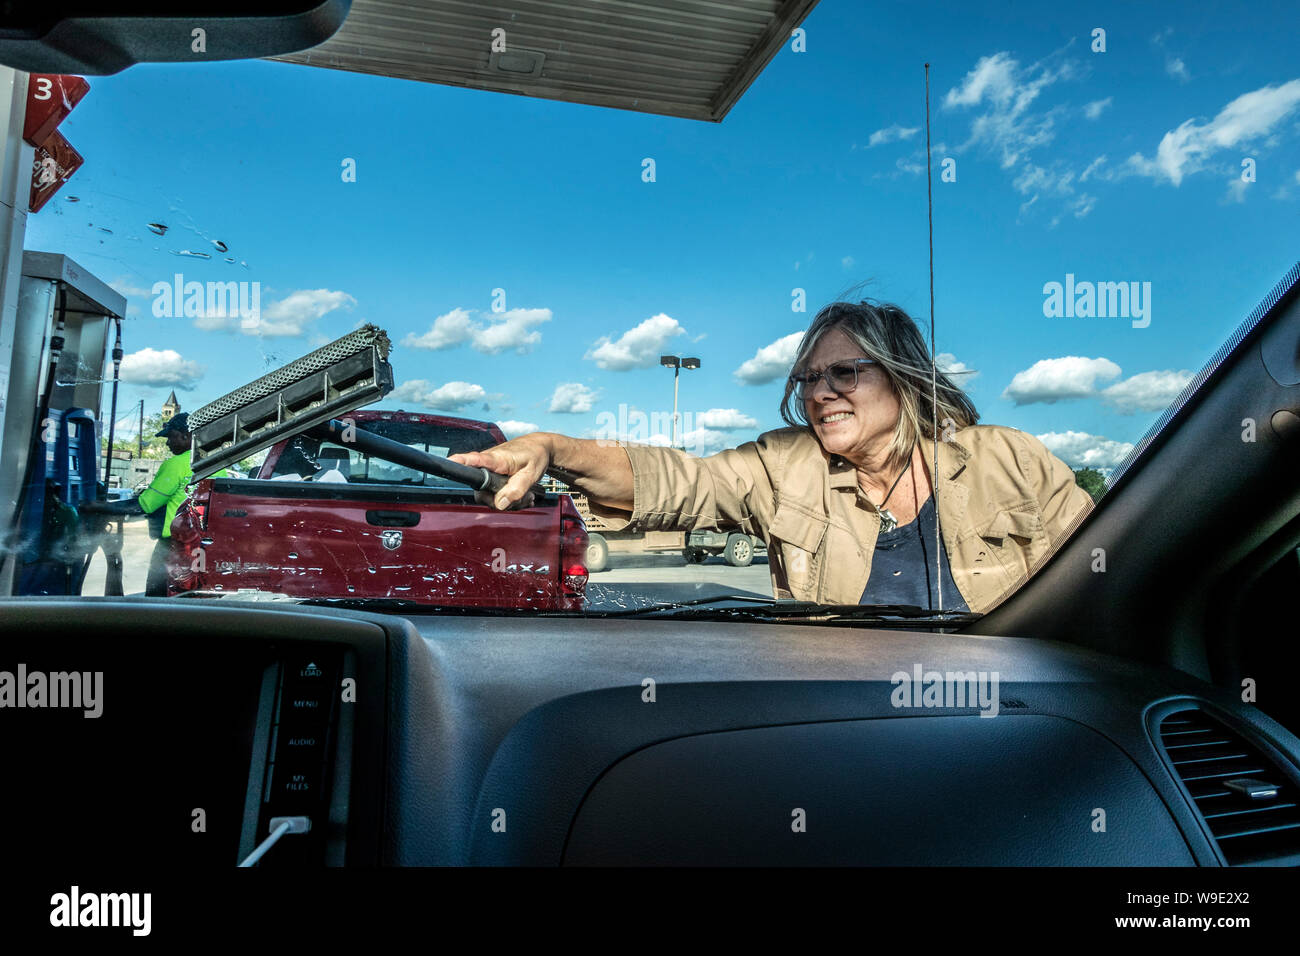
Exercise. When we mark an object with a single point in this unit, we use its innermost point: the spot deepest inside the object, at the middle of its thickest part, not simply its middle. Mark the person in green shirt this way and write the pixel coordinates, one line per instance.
(164, 495)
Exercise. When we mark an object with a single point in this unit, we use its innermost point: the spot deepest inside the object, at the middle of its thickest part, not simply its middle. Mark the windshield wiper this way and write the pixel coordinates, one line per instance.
(805, 612)
(407, 606)
(756, 609)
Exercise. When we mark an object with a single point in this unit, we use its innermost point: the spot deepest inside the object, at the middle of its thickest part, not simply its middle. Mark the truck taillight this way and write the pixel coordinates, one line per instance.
(573, 558)
(186, 563)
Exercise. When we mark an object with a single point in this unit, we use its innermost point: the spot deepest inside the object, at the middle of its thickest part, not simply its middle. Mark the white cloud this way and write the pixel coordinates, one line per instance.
(1037, 179)
(290, 317)
(1007, 127)
(292, 314)
(1081, 450)
(638, 347)
(993, 78)
(1073, 377)
(892, 134)
(959, 372)
(1096, 107)
(1060, 379)
(1146, 391)
(160, 369)
(1176, 68)
(725, 419)
(1002, 95)
(1094, 168)
(513, 429)
(447, 331)
(1082, 205)
(512, 330)
(1246, 120)
(770, 362)
(573, 397)
(445, 398)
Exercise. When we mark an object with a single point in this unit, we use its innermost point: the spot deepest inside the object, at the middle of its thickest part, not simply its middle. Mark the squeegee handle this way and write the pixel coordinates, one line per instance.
(480, 479)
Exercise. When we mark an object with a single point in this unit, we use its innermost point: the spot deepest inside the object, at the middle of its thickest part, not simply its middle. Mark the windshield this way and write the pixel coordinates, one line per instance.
(694, 275)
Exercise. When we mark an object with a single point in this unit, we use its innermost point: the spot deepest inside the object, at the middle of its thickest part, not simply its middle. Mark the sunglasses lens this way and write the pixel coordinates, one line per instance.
(843, 377)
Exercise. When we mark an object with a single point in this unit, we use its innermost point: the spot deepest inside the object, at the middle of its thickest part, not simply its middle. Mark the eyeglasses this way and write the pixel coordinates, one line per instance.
(842, 377)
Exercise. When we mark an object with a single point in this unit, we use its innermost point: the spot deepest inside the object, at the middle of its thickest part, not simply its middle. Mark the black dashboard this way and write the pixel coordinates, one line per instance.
(468, 740)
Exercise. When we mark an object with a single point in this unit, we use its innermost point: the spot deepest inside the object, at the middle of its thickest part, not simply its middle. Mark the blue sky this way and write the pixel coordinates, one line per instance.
(1123, 165)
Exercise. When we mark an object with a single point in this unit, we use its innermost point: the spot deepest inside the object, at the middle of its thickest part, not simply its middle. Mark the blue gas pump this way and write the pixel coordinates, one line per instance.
(53, 553)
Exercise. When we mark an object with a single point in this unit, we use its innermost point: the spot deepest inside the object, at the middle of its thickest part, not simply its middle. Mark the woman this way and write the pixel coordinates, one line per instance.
(847, 497)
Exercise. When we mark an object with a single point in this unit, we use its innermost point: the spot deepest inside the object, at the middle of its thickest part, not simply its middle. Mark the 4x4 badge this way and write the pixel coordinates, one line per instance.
(392, 540)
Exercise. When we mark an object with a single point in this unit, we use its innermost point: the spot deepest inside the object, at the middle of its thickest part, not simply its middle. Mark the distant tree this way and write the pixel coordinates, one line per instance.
(1091, 481)
(153, 447)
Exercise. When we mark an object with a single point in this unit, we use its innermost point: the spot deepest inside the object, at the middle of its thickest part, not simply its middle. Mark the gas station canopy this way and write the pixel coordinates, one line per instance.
(686, 58)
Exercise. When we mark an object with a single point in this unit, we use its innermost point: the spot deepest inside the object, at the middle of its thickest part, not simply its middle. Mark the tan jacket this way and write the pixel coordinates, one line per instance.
(1003, 500)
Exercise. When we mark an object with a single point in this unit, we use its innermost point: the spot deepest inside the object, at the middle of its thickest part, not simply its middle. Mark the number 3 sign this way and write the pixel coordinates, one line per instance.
(50, 98)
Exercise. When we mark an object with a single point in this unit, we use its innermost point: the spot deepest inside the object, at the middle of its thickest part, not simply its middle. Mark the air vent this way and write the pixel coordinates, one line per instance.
(1250, 807)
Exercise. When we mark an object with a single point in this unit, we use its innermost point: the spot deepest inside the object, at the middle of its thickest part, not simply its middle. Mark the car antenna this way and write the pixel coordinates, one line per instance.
(934, 399)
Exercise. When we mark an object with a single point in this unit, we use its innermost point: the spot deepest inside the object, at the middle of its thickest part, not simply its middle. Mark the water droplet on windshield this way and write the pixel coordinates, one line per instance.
(192, 255)
(74, 199)
(221, 246)
(293, 555)
(157, 228)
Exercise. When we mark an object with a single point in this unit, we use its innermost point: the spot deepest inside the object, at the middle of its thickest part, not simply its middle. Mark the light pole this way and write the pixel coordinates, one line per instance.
(676, 363)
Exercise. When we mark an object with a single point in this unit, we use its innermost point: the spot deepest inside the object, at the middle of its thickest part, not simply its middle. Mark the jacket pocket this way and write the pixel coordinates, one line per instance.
(797, 537)
(1018, 538)
(1016, 524)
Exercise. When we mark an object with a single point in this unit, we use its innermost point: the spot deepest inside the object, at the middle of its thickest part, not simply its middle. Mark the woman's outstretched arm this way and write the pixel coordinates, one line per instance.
(599, 469)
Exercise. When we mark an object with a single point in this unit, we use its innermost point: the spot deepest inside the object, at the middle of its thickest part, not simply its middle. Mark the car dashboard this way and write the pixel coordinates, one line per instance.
(466, 740)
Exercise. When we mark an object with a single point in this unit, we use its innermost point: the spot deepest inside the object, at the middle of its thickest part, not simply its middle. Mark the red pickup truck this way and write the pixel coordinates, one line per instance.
(326, 520)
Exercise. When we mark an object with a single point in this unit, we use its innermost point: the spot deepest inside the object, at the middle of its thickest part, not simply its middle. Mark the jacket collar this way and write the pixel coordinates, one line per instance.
(952, 459)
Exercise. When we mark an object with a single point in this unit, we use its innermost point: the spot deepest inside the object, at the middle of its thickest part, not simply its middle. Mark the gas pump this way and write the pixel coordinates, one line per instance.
(52, 423)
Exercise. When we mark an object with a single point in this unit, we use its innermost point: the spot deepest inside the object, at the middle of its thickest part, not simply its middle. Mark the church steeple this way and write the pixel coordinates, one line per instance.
(171, 406)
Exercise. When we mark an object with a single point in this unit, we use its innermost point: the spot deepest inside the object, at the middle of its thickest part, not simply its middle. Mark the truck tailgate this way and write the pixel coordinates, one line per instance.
(431, 545)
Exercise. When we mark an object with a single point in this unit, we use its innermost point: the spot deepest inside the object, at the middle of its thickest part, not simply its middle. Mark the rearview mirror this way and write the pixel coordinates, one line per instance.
(99, 37)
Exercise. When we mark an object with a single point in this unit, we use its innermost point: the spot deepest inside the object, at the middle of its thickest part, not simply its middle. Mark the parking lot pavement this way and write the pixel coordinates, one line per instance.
(632, 580)
(635, 580)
